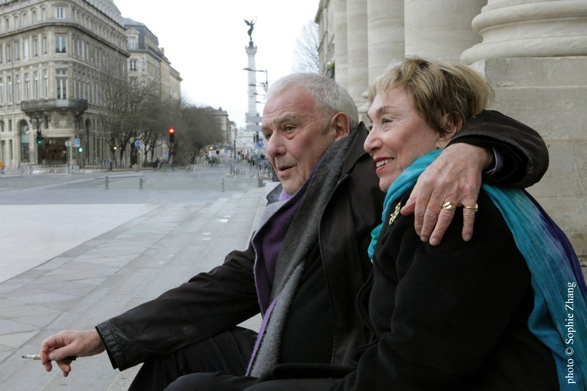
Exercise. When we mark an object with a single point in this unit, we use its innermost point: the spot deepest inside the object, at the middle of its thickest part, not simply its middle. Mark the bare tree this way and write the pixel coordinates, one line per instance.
(306, 52)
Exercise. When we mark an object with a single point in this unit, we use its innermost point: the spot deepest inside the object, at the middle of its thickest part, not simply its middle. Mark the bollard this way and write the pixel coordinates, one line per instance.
(259, 179)
(106, 182)
(222, 188)
(141, 183)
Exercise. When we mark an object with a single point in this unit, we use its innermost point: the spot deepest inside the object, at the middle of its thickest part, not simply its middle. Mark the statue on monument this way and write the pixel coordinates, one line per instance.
(251, 24)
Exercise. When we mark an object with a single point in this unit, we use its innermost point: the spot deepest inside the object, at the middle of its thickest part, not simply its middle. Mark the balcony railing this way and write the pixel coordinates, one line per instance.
(79, 105)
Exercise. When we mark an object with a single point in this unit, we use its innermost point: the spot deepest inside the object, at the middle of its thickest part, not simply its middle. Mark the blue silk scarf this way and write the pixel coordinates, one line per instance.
(559, 317)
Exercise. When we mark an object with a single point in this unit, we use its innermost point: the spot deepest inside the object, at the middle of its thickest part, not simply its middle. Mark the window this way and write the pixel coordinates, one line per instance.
(16, 22)
(1, 53)
(8, 50)
(35, 85)
(61, 83)
(35, 47)
(16, 50)
(83, 50)
(132, 43)
(60, 43)
(133, 65)
(59, 12)
(17, 82)
(1, 94)
(34, 16)
(6, 24)
(9, 91)
(44, 43)
(25, 49)
(46, 84)
(27, 87)
(25, 19)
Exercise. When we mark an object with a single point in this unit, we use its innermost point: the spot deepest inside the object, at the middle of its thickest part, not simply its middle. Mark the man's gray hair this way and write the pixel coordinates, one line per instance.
(330, 97)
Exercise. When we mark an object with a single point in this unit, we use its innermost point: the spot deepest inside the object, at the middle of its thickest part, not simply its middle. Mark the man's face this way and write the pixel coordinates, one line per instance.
(296, 136)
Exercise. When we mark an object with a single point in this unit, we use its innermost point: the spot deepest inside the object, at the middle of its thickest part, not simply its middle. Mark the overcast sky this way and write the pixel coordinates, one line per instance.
(205, 41)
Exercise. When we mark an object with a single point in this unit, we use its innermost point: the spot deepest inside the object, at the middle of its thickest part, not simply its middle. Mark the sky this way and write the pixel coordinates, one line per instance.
(205, 41)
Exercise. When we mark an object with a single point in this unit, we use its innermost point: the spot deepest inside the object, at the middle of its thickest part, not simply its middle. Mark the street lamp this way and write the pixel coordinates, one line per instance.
(264, 85)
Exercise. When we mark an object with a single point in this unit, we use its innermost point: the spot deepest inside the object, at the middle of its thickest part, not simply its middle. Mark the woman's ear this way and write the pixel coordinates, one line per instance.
(451, 123)
(340, 125)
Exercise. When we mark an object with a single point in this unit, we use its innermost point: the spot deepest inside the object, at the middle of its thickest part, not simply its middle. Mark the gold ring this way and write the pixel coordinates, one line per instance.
(476, 207)
(449, 206)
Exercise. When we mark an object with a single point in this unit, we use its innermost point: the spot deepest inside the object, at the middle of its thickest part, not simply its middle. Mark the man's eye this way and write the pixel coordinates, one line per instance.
(267, 136)
(289, 128)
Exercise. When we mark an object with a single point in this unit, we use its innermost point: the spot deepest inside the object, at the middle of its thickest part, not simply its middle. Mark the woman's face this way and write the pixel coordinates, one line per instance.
(398, 136)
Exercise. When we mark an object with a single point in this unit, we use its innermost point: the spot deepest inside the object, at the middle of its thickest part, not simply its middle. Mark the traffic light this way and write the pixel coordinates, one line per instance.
(80, 149)
(171, 135)
(39, 137)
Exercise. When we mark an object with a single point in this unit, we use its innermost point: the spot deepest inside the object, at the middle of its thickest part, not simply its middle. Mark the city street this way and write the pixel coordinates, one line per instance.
(76, 251)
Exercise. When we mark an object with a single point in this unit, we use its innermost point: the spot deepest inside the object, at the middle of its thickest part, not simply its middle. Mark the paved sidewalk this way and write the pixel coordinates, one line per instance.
(108, 274)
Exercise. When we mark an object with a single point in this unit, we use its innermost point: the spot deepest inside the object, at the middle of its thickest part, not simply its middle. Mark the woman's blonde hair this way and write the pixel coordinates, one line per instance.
(436, 89)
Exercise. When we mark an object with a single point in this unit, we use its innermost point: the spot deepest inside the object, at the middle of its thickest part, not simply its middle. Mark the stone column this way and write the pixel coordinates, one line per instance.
(252, 80)
(385, 34)
(530, 28)
(358, 72)
(340, 43)
(535, 54)
(440, 29)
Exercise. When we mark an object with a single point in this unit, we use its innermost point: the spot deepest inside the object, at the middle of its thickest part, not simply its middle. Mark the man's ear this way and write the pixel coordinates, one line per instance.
(340, 125)
(451, 123)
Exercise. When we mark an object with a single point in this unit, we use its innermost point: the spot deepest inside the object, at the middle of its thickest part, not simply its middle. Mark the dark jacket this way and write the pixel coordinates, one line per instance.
(450, 317)
(219, 300)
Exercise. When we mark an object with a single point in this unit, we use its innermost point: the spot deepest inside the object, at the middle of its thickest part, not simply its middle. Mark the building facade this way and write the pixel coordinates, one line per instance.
(533, 51)
(54, 59)
(54, 56)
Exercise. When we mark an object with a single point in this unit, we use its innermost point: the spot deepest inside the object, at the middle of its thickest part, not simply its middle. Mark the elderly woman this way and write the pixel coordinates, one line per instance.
(488, 314)
(481, 315)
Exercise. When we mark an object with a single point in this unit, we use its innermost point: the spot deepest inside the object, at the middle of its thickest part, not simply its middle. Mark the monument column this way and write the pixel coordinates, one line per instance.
(252, 80)
(358, 71)
(340, 43)
(385, 34)
(534, 53)
(440, 29)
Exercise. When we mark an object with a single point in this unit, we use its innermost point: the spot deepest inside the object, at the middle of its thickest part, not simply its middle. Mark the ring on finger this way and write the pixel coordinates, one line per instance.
(475, 207)
(449, 206)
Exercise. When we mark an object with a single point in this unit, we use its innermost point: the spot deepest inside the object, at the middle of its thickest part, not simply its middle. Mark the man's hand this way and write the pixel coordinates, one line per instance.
(455, 176)
(69, 343)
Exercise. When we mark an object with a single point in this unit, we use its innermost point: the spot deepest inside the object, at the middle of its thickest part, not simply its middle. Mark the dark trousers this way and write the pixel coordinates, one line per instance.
(218, 363)
(226, 354)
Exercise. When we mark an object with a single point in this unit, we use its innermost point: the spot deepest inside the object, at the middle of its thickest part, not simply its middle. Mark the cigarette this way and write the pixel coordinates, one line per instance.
(38, 357)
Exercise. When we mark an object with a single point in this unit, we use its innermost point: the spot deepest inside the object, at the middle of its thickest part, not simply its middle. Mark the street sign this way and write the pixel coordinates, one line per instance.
(76, 143)
(138, 143)
(165, 153)
(260, 143)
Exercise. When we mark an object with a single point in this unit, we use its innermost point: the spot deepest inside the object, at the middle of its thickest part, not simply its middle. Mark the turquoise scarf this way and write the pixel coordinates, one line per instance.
(559, 317)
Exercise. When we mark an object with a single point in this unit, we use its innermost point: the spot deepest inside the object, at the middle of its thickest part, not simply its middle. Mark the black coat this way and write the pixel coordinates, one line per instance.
(212, 302)
(450, 317)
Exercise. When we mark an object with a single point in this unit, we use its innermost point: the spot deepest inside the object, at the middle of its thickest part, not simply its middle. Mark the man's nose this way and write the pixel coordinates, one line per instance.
(275, 145)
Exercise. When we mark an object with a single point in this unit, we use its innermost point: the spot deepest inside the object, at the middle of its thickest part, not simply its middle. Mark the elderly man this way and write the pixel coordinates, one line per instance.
(307, 260)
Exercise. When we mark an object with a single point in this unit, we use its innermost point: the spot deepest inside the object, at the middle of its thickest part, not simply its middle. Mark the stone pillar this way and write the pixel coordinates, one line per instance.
(385, 34)
(358, 72)
(340, 43)
(535, 53)
(252, 80)
(440, 29)
(530, 28)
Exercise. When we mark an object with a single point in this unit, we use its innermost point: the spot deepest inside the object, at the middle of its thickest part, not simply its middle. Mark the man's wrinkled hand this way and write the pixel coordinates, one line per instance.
(69, 343)
(455, 176)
